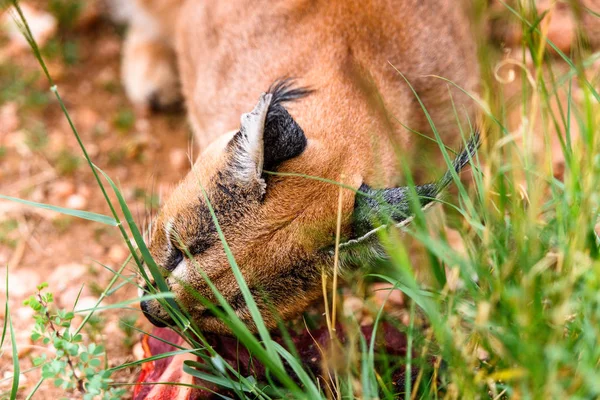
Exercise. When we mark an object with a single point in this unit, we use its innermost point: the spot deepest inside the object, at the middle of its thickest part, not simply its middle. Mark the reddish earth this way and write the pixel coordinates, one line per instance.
(40, 161)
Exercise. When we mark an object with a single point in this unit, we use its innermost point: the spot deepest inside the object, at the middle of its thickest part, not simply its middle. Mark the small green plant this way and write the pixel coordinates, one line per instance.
(62, 50)
(127, 325)
(62, 223)
(67, 162)
(36, 138)
(75, 366)
(70, 52)
(151, 201)
(7, 230)
(66, 12)
(124, 120)
(94, 327)
(21, 87)
(116, 156)
(111, 86)
(52, 49)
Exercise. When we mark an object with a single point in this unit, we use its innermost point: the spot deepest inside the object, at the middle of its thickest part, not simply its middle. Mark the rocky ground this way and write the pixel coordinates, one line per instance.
(40, 161)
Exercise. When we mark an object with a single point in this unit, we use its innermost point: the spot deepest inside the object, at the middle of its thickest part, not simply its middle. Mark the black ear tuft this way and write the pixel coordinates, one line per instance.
(283, 137)
(394, 204)
(284, 90)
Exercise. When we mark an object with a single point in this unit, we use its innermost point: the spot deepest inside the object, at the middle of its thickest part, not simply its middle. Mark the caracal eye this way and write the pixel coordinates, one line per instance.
(175, 257)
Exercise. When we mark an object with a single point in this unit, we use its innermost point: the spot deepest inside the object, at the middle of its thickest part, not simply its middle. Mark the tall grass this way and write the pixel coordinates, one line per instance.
(524, 323)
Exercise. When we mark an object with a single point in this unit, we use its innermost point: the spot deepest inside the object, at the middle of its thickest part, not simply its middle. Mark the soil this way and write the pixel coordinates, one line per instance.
(40, 161)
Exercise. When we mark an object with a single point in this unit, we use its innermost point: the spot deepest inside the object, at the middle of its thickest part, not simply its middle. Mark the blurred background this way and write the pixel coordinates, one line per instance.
(41, 161)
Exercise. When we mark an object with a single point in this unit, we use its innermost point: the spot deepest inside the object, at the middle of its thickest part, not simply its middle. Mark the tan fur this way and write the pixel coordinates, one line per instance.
(229, 52)
(149, 71)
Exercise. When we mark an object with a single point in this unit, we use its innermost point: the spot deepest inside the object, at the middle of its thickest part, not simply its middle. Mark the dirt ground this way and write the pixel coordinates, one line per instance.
(40, 161)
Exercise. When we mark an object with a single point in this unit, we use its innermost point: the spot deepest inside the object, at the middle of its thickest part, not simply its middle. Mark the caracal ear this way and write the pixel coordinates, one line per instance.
(268, 134)
(247, 145)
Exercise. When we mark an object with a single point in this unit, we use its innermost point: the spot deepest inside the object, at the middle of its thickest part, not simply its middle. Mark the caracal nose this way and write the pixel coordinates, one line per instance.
(145, 306)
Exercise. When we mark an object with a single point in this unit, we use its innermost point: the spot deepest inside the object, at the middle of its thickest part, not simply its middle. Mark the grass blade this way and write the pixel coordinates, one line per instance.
(35, 389)
(90, 216)
(304, 378)
(153, 358)
(5, 326)
(15, 358)
(245, 290)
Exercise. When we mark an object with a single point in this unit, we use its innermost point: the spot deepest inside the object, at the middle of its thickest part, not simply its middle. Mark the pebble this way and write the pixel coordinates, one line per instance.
(76, 201)
(455, 240)
(482, 354)
(142, 125)
(56, 70)
(105, 76)
(86, 119)
(85, 191)
(57, 140)
(8, 381)
(93, 150)
(24, 313)
(24, 342)
(138, 351)
(109, 48)
(17, 140)
(381, 293)
(129, 194)
(86, 302)
(21, 283)
(66, 298)
(39, 195)
(179, 159)
(113, 332)
(85, 88)
(117, 254)
(9, 119)
(65, 276)
(63, 189)
(353, 306)
(367, 320)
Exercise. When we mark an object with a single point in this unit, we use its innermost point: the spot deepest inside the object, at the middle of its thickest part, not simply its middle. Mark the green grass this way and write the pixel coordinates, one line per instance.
(67, 163)
(525, 323)
(65, 11)
(8, 227)
(124, 120)
(36, 138)
(19, 86)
